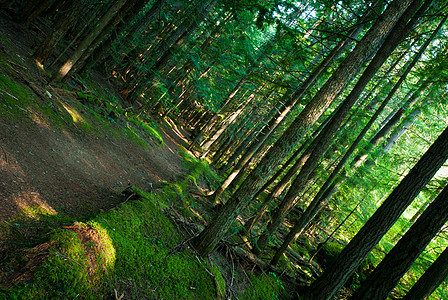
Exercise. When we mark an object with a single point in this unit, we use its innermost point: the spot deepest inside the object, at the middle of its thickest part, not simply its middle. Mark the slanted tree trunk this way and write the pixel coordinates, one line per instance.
(125, 16)
(230, 119)
(397, 262)
(381, 221)
(101, 37)
(162, 51)
(32, 10)
(320, 200)
(312, 155)
(390, 124)
(431, 279)
(88, 40)
(206, 241)
(288, 102)
(215, 118)
(398, 132)
(65, 20)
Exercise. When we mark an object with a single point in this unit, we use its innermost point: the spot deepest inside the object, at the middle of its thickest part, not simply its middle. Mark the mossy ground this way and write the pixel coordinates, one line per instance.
(134, 250)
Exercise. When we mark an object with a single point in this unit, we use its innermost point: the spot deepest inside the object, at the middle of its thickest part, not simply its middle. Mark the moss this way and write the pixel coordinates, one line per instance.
(140, 257)
(219, 282)
(131, 134)
(330, 252)
(16, 98)
(199, 168)
(147, 127)
(265, 286)
(61, 275)
(23, 104)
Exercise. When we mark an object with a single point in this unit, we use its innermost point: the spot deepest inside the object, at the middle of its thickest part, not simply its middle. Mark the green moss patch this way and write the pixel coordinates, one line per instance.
(265, 286)
(134, 250)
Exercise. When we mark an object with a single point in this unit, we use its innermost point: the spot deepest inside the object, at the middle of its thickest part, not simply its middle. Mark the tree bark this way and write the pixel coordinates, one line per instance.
(431, 279)
(118, 17)
(206, 241)
(312, 155)
(319, 200)
(123, 18)
(31, 11)
(381, 221)
(88, 40)
(63, 23)
(397, 262)
(289, 101)
(396, 117)
(162, 51)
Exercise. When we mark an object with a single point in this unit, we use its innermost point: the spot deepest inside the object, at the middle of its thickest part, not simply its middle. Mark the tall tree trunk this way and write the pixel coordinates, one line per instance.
(123, 18)
(285, 108)
(248, 226)
(381, 221)
(70, 12)
(320, 199)
(101, 37)
(32, 10)
(431, 279)
(398, 132)
(206, 241)
(396, 117)
(312, 155)
(215, 118)
(397, 262)
(227, 122)
(328, 188)
(162, 51)
(88, 40)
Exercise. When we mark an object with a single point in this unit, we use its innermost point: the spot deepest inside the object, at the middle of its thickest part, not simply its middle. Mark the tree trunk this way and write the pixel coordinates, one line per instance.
(215, 118)
(396, 117)
(312, 155)
(206, 241)
(162, 51)
(88, 40)
(248, 226)
(63, 23)
(284, 110)
(431, 279)
(397, 262)
(381, 221)
(101, 37)
(320, 199)
(398, 132)
(31, 11)
(123, 18)
(230, 119)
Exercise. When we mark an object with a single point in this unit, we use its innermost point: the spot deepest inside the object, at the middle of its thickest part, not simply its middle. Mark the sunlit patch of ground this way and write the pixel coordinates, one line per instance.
(32, 205)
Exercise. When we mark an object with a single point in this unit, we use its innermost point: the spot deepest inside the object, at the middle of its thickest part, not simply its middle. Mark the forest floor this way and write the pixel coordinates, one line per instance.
(65, 159)
(62, 167)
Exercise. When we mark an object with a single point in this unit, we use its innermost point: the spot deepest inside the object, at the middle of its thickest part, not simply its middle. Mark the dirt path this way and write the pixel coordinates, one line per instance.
(48, 169)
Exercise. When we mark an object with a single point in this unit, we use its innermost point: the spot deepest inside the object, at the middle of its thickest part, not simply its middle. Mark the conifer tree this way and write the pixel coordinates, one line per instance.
(213, 233)
(381, 221)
